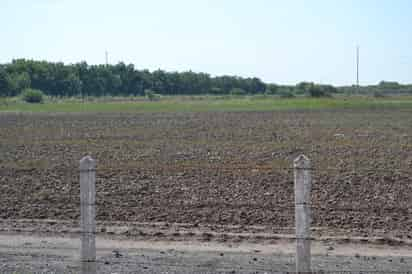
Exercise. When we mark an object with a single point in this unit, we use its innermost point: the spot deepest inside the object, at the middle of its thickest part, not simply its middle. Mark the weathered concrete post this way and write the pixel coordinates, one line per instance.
(303, 187)
(88, 214)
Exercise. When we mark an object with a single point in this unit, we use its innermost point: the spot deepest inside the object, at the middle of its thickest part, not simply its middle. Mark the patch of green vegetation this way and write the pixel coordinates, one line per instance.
(181, 104)
(33, 96)
(151, 95)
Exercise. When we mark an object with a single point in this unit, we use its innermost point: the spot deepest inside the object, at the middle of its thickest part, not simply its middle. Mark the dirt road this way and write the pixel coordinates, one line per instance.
(22, 253)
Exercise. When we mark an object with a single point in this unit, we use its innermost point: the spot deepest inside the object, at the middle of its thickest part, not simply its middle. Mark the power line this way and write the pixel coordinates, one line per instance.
(357, 66)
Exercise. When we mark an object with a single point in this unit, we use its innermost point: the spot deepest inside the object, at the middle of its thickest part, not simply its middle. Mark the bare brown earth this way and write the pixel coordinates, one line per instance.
(221, 168)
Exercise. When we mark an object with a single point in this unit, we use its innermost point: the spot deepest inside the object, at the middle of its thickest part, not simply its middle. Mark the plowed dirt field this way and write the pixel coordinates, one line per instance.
(223, 168)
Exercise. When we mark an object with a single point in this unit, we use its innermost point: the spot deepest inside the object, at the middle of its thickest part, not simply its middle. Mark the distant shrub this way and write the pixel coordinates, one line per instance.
(151, 95)
(315, 90)
(32, 95)
(286, 94)
(237, 91)
(389, 85)
(3, 101)
(215, 90)
(379, 94)
(271, 89)
(299, 91)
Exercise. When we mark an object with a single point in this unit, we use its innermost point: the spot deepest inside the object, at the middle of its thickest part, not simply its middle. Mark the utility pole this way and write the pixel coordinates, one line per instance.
(357, 66)
(107, 58)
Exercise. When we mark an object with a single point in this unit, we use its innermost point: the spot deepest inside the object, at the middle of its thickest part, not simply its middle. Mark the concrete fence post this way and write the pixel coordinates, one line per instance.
(303, 185)
(87, 215)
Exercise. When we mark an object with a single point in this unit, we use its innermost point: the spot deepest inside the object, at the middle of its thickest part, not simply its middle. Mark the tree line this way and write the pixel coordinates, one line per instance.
(81, 79)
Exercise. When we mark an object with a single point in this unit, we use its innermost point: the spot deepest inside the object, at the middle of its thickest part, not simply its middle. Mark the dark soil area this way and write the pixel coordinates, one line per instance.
(213, 168)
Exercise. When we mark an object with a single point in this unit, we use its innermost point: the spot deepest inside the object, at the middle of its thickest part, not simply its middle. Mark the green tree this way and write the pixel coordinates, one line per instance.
(58, 79)
(4, 83)
(19, 82)
(32, 95)
(151, 95)
(315, 90)
(271, 89)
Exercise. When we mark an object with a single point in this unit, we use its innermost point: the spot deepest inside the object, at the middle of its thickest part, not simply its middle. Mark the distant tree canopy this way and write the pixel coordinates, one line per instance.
(381, 89)
(82, 79)
(4, 83)
(315, 90)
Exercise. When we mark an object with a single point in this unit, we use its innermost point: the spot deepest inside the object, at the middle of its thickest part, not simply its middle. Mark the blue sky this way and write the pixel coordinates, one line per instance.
(279, 41)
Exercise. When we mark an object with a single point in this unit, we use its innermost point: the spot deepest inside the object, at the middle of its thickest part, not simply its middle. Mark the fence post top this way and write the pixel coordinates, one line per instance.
(87, 163)
(301, 162)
